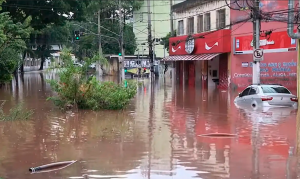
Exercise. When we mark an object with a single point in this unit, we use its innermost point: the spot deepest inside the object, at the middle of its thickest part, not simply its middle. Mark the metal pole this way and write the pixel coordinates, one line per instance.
(153, 54)
(150, 43)
(121, 42)
(99, 39)
(164, 50)
(256, 32)
(171, 19)
(99, 33)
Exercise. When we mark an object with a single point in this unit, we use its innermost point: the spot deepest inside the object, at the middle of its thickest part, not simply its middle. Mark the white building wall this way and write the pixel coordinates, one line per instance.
(211, 7)
(160, 21)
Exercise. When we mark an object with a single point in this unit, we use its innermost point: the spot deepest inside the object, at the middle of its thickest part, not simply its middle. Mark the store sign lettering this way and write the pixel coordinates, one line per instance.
(281, 69)
(133, 64)
(264, 42)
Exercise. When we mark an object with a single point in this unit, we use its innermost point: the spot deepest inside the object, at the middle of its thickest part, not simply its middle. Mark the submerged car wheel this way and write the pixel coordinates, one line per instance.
(254, 105)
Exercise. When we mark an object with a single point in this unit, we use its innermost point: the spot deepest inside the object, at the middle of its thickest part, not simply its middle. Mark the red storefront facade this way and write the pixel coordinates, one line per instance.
(280, 51)
(201, 58)
(279, 65)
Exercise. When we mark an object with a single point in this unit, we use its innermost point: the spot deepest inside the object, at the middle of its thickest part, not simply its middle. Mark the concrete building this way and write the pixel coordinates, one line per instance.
(214, 46)
(31, 63)
(280, 51)
(160, 20)
(202, 47)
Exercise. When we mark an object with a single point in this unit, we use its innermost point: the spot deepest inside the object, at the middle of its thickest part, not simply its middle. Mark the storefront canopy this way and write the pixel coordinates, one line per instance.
(207, 56)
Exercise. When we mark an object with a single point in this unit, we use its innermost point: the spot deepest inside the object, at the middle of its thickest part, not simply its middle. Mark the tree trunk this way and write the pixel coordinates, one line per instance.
(22, 65)
(42, 62)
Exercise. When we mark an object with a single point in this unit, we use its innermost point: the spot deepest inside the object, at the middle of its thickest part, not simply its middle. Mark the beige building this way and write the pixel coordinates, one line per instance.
(193, 18)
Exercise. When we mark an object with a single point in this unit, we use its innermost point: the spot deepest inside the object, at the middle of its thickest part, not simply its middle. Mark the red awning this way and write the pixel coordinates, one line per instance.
(206, 56)
(178, 58)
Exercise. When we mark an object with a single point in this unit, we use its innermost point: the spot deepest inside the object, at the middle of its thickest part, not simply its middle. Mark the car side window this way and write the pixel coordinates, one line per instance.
(245, 92)
(253, 91)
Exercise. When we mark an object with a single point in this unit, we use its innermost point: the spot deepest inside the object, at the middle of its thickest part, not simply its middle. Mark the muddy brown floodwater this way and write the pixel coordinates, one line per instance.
(158, 136)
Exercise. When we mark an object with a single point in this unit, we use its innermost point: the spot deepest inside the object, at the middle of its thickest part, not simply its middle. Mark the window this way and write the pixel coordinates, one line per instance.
(200, 24)
(207, 22)
(253, 91)
(180, 27)
(245, 92)
(275, 89)
(221, 18)
(190, 25)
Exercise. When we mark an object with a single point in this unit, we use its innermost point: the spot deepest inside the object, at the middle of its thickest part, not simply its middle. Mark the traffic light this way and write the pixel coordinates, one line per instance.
(125, 83)
(145, 69)
(125, 70)
(120, 54)
(77, 35)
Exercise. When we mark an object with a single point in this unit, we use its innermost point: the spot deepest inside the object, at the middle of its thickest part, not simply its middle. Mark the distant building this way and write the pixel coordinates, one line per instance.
(160, 19)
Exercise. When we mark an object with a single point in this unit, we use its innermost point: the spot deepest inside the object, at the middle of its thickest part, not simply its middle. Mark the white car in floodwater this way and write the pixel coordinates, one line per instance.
(266, 95)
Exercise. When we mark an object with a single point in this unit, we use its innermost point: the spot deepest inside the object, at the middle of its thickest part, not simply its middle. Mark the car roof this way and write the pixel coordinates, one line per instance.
(266, 85)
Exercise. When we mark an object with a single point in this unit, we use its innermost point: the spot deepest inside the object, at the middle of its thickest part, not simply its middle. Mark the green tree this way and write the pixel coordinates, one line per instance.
(11, 46)
(43, 13)
(110, 31)
(165, 40)
(56, 35)
(87, 46)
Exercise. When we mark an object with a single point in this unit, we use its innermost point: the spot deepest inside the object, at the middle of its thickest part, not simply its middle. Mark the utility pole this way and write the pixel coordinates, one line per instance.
(171, 19)
(150, 42)
(172, 35)
(121, 30)
(99, 39)
(256, 33)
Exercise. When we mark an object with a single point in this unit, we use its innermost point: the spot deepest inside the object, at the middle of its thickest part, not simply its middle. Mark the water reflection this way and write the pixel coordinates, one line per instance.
(157, 136)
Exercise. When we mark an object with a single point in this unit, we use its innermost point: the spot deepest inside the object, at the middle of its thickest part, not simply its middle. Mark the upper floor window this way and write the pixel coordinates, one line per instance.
(200, 24)
(190, 25)
(207, 22)
(180, 28)
(221, 19)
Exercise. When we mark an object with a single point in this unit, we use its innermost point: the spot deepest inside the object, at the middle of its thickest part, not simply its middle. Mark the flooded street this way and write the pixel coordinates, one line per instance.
(157, 136)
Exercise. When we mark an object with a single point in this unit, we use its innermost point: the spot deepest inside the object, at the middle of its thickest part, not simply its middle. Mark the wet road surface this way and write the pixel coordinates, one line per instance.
(156, 137)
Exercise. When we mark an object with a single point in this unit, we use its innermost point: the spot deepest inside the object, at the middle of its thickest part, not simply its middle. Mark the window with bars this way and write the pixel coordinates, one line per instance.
(221, 19)
(200, 23)
(180, 28)
(190, 25)
(207, 22)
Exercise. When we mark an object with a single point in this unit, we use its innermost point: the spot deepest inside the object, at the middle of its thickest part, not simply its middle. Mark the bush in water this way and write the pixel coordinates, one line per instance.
(75, 89)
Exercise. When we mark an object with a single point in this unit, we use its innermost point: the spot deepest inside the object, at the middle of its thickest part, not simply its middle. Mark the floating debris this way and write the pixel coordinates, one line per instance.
(51, 167)
(224, 135)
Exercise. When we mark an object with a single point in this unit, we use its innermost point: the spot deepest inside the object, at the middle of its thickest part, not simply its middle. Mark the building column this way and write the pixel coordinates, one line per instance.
(183, 74)
(228, 70)
(174, 74)
(198, 74)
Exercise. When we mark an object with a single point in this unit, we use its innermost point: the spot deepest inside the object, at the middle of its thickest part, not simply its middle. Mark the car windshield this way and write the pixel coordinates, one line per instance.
(275, 89)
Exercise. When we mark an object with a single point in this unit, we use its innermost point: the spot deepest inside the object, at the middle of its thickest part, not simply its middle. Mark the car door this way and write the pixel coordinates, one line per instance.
(251, 97)
(241, 99)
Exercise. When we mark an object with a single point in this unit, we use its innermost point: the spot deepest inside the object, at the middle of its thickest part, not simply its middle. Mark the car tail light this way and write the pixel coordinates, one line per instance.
(266, 98)
(294, 99)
